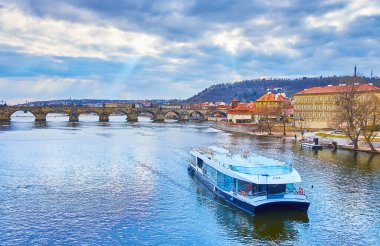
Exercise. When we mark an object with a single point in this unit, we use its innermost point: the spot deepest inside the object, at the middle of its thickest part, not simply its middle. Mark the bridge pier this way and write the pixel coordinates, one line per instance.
(5, 121)
(184, 118)
(132, 118)
(159, 118)
(73, 117)
(104, 118)
(40, 117)
(4, 118)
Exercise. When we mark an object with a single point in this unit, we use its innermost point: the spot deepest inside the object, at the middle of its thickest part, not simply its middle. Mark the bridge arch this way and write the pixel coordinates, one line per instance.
(20, 115)
(118, 115)
(57, 115)
(89, 115)
(172, 115)
(145, 112)
(196, 115)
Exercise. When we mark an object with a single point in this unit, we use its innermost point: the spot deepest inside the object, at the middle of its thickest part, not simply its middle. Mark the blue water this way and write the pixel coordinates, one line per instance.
(121, 183)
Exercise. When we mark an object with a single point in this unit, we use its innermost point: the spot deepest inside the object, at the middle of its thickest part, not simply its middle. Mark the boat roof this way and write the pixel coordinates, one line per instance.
(247, 163)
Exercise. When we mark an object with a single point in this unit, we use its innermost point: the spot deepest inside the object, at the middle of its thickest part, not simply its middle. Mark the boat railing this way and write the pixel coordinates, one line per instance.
(266, 194)
(249, 194)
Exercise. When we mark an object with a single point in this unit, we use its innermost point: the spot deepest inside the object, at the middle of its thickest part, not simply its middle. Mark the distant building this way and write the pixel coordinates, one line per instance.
(116, 105)
(273, 104)
(272, 100)
(315, 107)
(241, 112)
(210, 105)
(167, 106)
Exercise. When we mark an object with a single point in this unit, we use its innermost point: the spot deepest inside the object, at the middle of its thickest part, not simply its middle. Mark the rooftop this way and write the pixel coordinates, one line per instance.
(249, 163)
(338, 89)
(270, 97)
(244, 108)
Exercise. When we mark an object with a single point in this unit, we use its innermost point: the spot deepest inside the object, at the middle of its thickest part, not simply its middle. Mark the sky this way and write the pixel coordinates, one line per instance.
(137, 49)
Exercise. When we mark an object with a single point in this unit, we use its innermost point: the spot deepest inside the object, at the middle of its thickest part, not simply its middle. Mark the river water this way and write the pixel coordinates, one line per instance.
(127, 183)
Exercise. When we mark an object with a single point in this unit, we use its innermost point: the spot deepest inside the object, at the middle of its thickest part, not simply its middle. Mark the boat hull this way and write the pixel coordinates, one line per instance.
(312, 146)
(271, 204)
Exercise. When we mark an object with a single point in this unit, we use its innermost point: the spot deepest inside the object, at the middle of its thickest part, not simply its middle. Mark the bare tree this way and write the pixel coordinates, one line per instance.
(284, 115)
(269, 118)
(349, 109)
(370, 118)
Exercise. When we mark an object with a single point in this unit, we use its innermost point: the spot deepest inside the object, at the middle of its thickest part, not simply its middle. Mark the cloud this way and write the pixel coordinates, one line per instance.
(234, 41)
(40, 36)
(341, 19)
(170, 49)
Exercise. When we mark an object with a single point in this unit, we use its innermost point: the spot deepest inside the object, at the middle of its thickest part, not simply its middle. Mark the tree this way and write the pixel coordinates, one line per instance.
(349, 109)
(370, 118)
(284, 120)
(268, 117)
(284, 114)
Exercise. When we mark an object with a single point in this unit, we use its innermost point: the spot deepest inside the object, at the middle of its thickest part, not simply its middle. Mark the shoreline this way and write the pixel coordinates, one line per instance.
(290, 136)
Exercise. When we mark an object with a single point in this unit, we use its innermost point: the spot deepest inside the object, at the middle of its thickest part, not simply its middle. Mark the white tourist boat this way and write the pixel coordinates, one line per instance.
(251, 182)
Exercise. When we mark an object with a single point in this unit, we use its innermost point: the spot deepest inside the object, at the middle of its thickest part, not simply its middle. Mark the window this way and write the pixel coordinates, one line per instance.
(245, 186)
(199, 162)
(225, 182)
(276, 188)
(211, 173)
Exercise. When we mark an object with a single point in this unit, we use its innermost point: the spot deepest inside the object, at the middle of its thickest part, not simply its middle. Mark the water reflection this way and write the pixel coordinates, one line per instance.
(351, 159)
(275, 226)
(126, 183)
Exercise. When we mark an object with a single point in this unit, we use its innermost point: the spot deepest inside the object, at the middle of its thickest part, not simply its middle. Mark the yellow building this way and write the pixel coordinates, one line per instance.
(316, 107)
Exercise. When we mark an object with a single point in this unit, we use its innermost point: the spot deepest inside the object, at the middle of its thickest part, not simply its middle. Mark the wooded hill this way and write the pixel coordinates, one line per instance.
(250, 90)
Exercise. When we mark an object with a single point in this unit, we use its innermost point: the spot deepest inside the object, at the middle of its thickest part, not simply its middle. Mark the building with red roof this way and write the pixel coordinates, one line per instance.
(315, 107)
(274, 104)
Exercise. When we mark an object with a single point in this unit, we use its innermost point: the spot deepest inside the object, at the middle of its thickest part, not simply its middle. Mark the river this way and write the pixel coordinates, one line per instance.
(127, 183)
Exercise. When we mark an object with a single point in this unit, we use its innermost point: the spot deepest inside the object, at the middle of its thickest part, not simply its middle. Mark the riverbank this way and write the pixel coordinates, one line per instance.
(325, 137)
(251, 130)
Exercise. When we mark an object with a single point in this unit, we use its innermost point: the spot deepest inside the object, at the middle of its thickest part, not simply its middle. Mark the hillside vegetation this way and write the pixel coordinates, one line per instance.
(250, 90)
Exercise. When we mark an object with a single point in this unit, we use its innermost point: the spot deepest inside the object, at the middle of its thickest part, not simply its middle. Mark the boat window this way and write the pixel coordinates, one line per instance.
(210, 173)
(263, 187)
(199, 162)
(276, 188)
(290, 187)
(270, 170)
(245, 187)
(225, 182)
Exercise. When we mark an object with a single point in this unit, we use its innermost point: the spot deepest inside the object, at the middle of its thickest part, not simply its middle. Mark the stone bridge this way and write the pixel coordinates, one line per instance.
(132, 113)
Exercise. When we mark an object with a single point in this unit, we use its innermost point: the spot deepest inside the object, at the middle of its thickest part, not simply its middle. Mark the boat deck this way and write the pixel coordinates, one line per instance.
(247, 163)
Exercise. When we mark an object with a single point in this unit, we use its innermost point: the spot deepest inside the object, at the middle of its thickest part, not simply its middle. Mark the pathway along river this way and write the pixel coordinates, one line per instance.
(123, 183)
